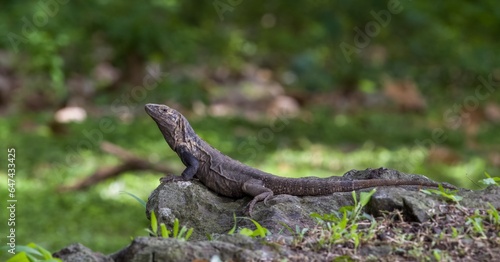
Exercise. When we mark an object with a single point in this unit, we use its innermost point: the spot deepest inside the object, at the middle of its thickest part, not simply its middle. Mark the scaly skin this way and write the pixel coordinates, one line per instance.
(231, 178)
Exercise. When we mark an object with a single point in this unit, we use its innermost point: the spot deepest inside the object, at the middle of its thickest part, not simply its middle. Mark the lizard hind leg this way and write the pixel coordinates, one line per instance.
(256, 188)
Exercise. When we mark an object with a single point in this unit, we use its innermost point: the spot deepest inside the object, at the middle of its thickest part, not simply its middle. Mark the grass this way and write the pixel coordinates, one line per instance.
(458, 234)
(103, 219)
(461, 234)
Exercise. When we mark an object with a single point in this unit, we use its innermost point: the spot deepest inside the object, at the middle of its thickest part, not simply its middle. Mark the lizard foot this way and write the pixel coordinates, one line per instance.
(171, 178)
(265, 199)
(249, 209)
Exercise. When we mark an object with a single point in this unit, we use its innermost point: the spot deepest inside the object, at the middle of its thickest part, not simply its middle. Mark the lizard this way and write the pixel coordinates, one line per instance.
(231, 178)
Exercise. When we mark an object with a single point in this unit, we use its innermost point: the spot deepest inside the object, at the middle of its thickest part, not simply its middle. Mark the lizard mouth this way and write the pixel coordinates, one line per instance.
(150, 107)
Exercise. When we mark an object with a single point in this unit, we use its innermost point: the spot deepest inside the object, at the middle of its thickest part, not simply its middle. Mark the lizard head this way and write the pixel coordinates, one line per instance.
(170, 122)
(163, 115)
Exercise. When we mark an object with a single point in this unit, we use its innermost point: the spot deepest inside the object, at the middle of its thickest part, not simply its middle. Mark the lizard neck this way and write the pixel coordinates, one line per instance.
(181, 134)
(184, 134)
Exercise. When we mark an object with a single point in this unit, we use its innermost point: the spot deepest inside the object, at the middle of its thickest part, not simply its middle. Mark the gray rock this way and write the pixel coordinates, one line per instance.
(481, 198)
(208, 213)
(195, 206)
(169, 249)
(79, 253)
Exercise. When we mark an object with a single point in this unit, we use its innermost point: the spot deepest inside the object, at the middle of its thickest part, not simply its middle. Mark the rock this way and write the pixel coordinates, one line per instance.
(170, 249)
(195, 206)
(208, 213)
(226, 248)
(481, 198)
(79, 253)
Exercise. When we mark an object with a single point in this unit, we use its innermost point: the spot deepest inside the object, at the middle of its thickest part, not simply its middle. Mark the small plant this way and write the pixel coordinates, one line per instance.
(299, 234)
(142, 202)
(351, 213)
(490, 180)
(183, 233)
(493, 215)
(31, 253)
(416, 252)
(343, 225)
(454, 232)
(447, 194)
(260, 231)
(476, 221)
(440, 255)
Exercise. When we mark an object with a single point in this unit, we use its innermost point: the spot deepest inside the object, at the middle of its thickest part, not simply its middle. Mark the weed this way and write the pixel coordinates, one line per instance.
(447, 194)
(493, 215)
(343, 225)
(32, 252)
(259, 231)
(476, 221)
(183, 233)
(490, 180)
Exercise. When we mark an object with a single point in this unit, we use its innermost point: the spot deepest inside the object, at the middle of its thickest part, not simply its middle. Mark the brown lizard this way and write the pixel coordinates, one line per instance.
(231, 178)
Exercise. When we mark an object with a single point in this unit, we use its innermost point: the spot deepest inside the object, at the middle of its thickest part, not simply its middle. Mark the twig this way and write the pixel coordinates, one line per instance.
(130, 162)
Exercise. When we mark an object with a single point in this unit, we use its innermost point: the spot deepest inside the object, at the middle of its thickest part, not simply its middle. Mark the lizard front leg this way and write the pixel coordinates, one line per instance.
(256, 188)
(192, 164)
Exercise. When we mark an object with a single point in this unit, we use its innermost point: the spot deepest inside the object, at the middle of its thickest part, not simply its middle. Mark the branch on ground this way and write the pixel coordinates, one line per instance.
(130, 162)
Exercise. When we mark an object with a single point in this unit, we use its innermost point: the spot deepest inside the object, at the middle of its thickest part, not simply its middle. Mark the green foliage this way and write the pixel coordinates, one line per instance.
(493, 215)
(344, 258)
(437, 254)
(298, 234)
(349, 213)
(138, 199)
(454, 232)
(304, 148)
(343, 224)
(490, 180)
(154, 225)
(447, 194)
(32, 253)
(443, 238)
(182, 233)
(476, 221)
(259, 231)
(164, 231)
(308, 45)
(81, 34)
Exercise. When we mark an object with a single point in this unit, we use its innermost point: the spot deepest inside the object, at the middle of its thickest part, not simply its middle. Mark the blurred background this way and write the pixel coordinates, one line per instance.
(296, 88)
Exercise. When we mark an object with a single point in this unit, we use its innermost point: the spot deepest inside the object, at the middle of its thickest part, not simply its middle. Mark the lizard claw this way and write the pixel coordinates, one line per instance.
(248, 212)
(265, 200)
(170, 178)
(249, 208)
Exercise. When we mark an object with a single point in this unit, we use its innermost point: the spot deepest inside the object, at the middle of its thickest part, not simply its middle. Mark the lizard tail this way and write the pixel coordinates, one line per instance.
(315, 187)
(360, 184)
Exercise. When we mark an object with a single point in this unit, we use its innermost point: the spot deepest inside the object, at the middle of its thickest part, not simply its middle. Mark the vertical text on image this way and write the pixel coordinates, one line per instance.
(11, 200)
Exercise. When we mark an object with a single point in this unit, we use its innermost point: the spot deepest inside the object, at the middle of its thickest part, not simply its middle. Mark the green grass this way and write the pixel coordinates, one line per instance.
(101, 218)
